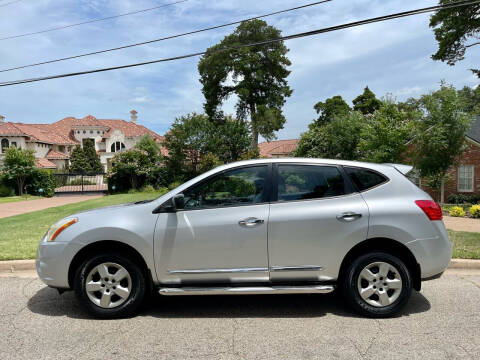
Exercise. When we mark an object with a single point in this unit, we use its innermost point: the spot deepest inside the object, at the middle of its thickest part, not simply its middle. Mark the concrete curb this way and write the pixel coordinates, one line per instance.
(11, 266)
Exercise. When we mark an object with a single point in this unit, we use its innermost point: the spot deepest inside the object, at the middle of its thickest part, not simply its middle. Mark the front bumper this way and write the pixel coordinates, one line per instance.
(53, 261)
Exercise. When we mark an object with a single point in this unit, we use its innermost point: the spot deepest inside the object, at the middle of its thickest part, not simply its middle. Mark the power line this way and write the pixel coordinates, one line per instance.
(10, 3)
(166, 38)
(265, 42)
(89, 21)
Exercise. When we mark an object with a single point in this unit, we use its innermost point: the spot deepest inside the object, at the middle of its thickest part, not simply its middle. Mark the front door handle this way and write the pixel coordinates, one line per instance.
(251, 222)
(348, 216)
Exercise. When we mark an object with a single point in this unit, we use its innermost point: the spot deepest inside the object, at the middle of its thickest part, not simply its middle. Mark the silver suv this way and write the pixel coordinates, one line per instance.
(270, 226)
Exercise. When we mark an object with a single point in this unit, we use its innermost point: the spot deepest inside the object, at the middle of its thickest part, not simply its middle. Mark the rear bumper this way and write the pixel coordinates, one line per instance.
(433, 254)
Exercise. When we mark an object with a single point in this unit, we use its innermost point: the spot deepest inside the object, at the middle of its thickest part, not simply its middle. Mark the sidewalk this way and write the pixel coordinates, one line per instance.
(22, 207)
(462, 224)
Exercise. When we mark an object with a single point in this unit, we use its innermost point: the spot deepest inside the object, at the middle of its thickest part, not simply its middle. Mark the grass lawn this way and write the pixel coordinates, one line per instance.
(17, 198)
(466, 245)
(20, 234)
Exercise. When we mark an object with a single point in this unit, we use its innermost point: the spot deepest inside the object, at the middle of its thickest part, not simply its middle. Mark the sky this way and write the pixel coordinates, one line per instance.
(392, 57)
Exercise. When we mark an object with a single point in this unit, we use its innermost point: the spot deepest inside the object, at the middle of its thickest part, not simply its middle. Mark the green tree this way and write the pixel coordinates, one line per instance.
(86, 159)
(440, 134)
(471, 99)
(188, 140)
(233, 140)
(259, 75)
(332, 107)
(456, 30)
(367, 102)
(18, 165)
(385, 134)
(336, 140)
(130, 165)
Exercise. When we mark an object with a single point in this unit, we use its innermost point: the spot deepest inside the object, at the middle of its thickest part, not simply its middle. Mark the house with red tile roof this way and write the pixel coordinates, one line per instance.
(53, 143)
(278, 148)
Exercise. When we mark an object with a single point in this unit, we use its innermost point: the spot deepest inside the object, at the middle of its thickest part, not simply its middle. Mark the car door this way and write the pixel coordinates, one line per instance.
(221, 234)
(315, 218)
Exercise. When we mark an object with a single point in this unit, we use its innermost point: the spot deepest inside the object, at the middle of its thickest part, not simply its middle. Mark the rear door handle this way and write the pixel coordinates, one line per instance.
(251, 222)
(348, 216)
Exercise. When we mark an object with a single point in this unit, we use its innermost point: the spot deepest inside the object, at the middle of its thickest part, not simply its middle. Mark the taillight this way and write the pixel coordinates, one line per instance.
(430, 208)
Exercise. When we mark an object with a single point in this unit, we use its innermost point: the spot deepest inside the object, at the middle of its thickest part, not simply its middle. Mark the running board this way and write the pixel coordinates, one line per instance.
(250, 290)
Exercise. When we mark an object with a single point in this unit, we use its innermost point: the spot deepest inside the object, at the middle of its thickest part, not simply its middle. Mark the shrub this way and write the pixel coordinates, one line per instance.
(457, 211)
(475, 211)
(174, 185)
(148, 189)
(41, 182)
(6, 191)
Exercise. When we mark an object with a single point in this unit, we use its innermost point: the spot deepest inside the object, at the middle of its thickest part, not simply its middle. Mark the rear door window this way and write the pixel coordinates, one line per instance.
(364, 179)
(301, 182)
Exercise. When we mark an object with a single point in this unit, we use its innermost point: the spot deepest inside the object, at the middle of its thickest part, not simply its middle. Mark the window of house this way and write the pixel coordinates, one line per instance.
(4, 145)
(84, 131)
(98, 132)
(13, 143)
(465, 178)
(301, 182)
(91, 131)
(244, 186)
(117, 146)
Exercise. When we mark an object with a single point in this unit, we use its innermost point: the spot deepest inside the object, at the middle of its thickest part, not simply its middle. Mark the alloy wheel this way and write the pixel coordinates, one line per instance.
(379, 284)
(108, 285)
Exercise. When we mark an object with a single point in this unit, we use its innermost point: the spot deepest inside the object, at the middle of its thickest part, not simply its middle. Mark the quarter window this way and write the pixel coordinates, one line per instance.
(365, 179)
(465, 178)
(300, 182)
(244, 186)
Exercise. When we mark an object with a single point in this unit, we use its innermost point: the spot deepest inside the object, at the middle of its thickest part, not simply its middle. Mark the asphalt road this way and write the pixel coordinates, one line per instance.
(441, 322)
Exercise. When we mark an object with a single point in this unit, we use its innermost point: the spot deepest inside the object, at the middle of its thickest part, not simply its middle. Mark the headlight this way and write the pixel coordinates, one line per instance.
(58, 227)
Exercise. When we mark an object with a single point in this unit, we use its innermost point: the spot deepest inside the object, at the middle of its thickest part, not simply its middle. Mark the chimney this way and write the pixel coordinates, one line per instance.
(2, 118)
(133, 116)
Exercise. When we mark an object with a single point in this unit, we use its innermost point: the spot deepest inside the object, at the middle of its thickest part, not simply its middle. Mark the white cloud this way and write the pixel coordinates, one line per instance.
(390, 57)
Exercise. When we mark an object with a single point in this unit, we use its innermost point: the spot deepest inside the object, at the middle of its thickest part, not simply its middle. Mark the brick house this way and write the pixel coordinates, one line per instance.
(53, 143)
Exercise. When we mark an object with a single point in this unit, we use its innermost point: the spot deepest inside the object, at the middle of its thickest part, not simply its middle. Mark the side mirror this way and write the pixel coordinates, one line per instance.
(179, 201)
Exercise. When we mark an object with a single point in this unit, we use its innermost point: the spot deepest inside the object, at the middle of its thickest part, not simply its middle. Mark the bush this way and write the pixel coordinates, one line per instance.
(174, 185)
(6, 191)
(457, 211)
(148, 189)
(463, 199)
(42, 183)
(474, 211)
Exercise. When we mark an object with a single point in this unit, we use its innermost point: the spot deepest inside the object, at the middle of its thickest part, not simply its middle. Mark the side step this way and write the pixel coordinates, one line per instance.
(250, 290)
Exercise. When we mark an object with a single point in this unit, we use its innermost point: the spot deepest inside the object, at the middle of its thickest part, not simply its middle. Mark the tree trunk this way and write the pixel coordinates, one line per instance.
(254, 128)
(20, 186)
(442, 191)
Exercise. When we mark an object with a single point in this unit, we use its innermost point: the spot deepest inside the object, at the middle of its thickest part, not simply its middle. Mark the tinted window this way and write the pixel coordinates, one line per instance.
(365, 179)
(299, 182)
(235, 187)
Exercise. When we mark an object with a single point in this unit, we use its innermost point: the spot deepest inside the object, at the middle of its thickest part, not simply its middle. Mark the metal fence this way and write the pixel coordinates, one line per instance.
(80, 183)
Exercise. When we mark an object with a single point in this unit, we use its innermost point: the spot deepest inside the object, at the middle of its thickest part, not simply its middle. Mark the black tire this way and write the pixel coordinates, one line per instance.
(132, 302)
(351, 293)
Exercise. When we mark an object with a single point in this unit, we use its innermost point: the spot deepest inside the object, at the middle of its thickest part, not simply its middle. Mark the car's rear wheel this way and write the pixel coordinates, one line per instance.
(377, 284)
(110, 285)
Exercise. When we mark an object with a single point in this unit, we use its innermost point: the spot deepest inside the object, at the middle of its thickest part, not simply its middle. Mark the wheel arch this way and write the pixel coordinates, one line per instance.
(389, 246)
(108, 246)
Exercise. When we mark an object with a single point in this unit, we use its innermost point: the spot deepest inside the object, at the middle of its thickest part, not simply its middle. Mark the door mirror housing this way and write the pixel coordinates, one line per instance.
(178, 202)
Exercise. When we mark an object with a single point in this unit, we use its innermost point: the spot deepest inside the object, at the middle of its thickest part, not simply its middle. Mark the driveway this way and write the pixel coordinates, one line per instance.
(21, 207)
(441, 322)
(462, 224)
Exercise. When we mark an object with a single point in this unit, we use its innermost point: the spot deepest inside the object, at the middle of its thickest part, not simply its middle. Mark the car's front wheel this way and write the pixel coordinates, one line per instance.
(377, 284)
(110, 285)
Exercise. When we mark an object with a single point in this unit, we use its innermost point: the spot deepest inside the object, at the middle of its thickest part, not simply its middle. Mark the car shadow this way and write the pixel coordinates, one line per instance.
(48, 302)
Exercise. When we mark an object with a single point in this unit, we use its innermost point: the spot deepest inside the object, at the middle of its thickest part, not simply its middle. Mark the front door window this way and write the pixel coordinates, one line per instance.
(243, 186)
